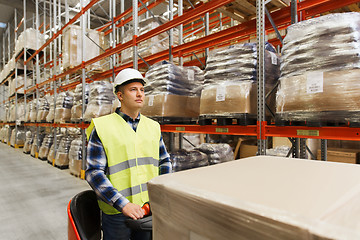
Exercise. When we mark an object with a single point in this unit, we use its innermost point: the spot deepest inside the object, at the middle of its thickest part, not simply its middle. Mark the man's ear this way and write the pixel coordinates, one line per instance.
(119, 95)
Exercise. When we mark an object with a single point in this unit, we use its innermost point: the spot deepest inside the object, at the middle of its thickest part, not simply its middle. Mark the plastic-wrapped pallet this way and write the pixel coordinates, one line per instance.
(153, 45)
(28, 39)
(16, 83)
(38, 139)
(51, 154)
(64, 103)
(217, 153)
(33, 113)
(44, 108)
(76, 110)
(75, 156)
(101, 100)
(319, 70)
(230, 80)
(20, 109)
(28, 111)
(17, 138)
(28, 142)
(45, 146)
(62, 154)
(172, 91)
(72, 45)
(51, 114)
(186, 159)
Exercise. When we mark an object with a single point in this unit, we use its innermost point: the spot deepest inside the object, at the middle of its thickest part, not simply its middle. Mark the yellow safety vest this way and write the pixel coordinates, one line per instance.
(132, 157)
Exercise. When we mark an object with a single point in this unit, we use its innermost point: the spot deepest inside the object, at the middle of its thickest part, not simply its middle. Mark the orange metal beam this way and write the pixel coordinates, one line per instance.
(21, 21)
(142, 11)
(344, 133)
(211, 129)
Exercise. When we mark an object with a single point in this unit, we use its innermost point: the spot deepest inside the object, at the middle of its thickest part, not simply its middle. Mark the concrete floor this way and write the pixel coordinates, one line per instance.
(34, 196)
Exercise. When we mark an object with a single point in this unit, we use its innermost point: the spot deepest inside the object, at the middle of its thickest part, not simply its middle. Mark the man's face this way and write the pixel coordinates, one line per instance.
(132, 96)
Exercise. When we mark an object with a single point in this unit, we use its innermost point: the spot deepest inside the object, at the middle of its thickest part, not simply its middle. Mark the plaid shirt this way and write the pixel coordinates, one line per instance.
(96, 166)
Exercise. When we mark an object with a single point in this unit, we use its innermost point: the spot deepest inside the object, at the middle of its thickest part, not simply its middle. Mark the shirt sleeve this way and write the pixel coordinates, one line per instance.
(164, 158)
(95, 174)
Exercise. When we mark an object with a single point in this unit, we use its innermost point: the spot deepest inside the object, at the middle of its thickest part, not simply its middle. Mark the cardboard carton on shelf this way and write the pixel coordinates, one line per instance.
(341, 155)
(259, 197)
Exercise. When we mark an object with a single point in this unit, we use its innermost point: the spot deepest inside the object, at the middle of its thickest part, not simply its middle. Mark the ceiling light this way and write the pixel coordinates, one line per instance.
(3, 25)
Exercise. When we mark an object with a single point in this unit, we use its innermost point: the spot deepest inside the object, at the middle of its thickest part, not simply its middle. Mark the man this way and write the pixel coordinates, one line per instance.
(125, 150)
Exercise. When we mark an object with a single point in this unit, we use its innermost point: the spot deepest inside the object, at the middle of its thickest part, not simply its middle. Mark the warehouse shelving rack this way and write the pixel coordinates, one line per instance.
(115, 26)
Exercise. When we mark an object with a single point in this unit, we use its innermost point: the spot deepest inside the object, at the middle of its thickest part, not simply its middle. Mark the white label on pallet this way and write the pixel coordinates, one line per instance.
(151, 100)
(273, 58)
(315, 82)
(191, 75)
(220, 93)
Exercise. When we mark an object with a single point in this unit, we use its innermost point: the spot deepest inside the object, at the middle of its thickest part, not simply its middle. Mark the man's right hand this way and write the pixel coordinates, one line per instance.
(133, 211)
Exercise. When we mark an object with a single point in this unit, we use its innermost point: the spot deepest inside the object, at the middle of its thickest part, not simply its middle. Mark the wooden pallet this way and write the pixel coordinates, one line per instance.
(319, 119)
(242, 119)
(174, 120)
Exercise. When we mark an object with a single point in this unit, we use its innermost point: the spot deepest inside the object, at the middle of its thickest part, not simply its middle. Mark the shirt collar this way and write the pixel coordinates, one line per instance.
(126, 117)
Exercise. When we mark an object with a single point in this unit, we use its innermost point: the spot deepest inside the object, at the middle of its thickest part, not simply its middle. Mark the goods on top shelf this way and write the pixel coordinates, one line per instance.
(18, 137)
(172, 91)
(72, 47)
(75, 156)
(230, 79)
(76, 110)
(64, 103)
(29, 40)
(28, 141)
(319, 70)
(151, 46)
(101, 99)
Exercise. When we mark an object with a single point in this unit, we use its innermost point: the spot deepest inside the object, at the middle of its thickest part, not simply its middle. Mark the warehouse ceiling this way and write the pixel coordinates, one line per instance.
(239, 10)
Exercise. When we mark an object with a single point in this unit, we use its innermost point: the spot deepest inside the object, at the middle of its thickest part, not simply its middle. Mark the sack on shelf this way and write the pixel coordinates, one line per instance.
(101, 98)
(35, 147)
(217, 152)
(51, 154)
(44, 108)
(76, 110)
(17, 137)
(45, 146)
(75, 156)
(64, 103)
(186, 159)
(28, 142)
(172, 91)
(33, 114)
(62, 154)
(50, 116)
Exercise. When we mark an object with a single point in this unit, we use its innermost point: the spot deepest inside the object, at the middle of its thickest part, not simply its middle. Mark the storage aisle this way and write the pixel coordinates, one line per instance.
(34, 196)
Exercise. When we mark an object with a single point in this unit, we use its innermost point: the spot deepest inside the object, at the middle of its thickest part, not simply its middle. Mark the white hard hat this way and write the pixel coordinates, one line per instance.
(128, 74)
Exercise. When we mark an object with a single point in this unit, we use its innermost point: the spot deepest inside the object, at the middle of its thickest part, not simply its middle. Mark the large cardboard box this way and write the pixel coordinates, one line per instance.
(259, 197)
(341, 155)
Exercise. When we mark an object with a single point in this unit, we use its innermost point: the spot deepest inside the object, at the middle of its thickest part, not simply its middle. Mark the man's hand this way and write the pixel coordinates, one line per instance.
(133, 211)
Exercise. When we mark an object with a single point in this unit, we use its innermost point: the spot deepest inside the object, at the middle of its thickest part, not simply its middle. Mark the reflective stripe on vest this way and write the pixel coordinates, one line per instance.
(133, 157)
